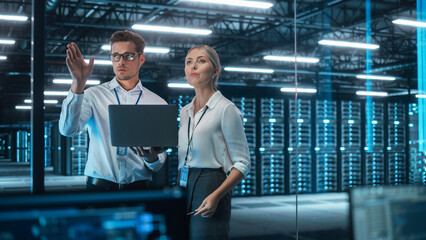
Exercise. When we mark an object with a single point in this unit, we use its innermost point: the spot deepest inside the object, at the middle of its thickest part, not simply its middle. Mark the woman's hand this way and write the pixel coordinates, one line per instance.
(208, 207)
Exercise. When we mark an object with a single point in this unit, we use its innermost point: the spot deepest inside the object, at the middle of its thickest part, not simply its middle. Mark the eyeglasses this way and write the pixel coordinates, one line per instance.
(115, 57)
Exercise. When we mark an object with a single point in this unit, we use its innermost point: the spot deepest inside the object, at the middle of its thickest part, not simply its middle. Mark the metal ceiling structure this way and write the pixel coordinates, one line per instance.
(241, 36)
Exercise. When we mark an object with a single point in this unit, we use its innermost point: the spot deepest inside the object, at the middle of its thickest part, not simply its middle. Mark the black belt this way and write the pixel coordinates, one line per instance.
(109, 185)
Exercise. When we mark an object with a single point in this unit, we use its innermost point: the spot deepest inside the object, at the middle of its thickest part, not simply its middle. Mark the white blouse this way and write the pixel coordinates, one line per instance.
(218, 140)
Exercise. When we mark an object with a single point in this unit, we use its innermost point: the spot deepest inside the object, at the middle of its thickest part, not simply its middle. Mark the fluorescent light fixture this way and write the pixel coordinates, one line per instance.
(45, 101)
(348, 44)
(69, 81)
(23, 107)
(179, 85)
(375, 77)
(299, 90)
(254, 70)
(291, 59)
(409, 23)
(146, 50)
(371, 93)
(156, 50)
(56, 93)
(420, 95)
(100, 62)
(166, 29)
(3, 57)
(13, 18)
(238, 3)
(7, 41)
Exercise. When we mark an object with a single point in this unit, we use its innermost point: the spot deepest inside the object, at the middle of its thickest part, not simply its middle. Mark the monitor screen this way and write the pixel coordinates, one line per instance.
(388, 212)
(113, 215)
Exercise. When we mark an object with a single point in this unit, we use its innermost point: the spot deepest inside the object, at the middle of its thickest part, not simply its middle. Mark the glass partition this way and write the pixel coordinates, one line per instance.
(364, 130)
(330, 94)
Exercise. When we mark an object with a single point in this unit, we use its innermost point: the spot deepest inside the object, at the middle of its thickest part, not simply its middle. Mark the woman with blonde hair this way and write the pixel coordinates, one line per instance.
(212, 144)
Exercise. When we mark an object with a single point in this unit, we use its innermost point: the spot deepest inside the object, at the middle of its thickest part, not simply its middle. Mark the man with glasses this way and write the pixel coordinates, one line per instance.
(110, 168)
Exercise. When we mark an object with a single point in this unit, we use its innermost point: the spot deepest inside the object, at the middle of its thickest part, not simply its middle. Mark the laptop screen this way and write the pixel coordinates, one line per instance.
(388, 212)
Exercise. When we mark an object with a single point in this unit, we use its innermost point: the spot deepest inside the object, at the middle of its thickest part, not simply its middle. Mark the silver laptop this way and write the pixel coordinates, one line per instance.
(143, 125)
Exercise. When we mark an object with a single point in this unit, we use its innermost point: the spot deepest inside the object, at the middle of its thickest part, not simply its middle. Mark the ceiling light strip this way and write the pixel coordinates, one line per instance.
(250, 70)
(238, 3)
(348, 44)
(372, 93)
(375, 77)
(7, 41)
(166, 29)
(45, 101)
(13, 18)
(179, 85)
(299, 90)
(291, 59)
(146, 50)
(56, 93)
(411, 23)
(69, 81)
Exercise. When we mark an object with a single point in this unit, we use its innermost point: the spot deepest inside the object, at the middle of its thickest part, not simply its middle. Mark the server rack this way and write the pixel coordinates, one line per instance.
(326, 142)
(247, 106)
(417, 166)
(23, 143)
(351, 173)
(272, 146)
(48, 145)
(78, 152)
(396, 144)
(300, 144)
(375, 140)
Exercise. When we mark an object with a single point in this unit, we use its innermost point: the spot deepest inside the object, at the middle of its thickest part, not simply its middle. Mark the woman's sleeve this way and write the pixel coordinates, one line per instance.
(235, 138)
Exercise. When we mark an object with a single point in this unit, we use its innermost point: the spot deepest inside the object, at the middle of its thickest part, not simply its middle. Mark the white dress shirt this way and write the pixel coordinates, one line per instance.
(90, 110)
(218, 140)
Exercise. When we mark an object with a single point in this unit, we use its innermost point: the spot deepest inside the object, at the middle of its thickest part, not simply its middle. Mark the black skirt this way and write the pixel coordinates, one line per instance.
(201, 183)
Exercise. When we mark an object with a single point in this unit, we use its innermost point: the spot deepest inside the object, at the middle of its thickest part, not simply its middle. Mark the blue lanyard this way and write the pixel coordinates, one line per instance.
(118, 99)
(123, 150)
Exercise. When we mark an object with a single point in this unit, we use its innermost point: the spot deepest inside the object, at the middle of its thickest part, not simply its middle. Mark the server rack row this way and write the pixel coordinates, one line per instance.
(23, 145)
(308, 145)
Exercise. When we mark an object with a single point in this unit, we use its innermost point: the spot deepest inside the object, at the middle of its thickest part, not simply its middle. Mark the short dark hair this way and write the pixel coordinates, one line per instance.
(128, 36)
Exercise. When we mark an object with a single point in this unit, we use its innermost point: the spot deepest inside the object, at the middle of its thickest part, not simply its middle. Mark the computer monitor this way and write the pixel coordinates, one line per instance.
(388, 212)
(104, 215)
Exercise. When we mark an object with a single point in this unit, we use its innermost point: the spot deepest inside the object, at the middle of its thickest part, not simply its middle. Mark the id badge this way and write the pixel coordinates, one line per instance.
(122, 151)
(183, 181)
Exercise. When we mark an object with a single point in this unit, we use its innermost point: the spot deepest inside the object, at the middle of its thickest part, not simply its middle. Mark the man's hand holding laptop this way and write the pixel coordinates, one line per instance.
(150, 153)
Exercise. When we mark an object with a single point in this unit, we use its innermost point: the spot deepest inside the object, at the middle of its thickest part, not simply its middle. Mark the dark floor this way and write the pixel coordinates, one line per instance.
(320, 216)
